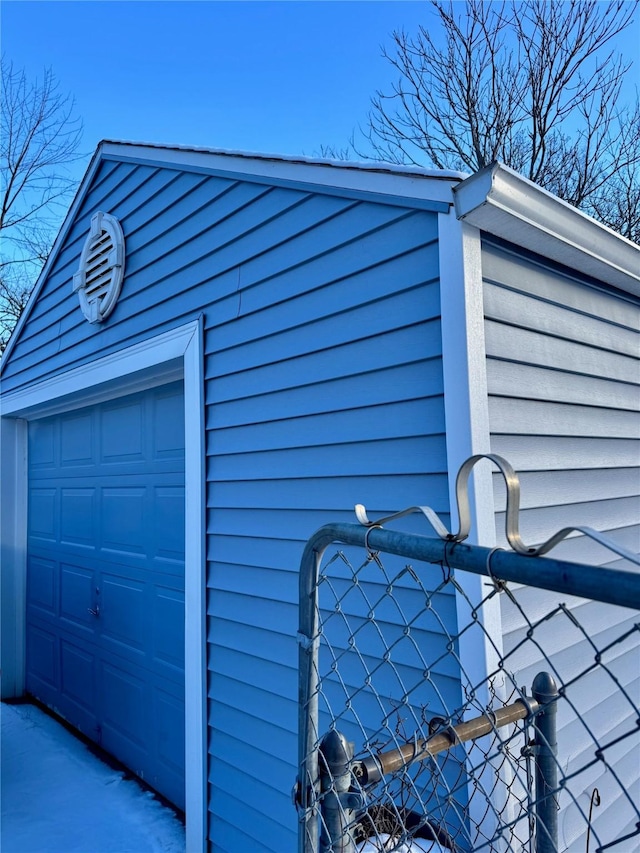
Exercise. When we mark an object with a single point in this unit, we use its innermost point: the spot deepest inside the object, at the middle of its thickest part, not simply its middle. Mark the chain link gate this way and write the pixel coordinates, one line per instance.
(401, 749)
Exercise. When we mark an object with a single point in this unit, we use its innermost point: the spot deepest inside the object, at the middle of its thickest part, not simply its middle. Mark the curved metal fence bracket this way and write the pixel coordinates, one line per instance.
(512, 515)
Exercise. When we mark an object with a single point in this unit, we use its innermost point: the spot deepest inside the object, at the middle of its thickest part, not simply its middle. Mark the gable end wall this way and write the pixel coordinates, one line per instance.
(323, 388)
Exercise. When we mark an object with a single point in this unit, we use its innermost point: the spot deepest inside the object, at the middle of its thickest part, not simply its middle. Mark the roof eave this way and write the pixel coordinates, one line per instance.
(501, 202)
(410, 182)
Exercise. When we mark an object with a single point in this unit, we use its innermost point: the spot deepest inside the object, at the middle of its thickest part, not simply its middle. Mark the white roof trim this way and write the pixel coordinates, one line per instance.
(410, 182)
(501, 202)
(366, 176)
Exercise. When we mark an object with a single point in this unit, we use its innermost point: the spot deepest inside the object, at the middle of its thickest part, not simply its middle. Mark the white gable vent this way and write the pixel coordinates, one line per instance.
(99, 279)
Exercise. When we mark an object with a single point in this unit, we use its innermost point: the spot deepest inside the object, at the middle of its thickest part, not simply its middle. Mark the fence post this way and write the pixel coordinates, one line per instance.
(545, 692)
(337, 802)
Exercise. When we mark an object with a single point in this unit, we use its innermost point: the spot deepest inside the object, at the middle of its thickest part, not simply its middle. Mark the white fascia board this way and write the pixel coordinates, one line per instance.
(410, 182)
(501, 202)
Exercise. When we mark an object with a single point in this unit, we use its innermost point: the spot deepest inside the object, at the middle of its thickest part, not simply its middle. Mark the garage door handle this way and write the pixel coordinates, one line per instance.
(95, 612)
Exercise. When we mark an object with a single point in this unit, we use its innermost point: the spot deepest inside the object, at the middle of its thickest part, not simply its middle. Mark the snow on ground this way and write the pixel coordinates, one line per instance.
(57, 797)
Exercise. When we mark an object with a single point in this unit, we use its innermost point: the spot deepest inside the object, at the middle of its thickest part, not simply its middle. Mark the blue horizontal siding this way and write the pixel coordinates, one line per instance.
(282, 581)
(258, 727)
(323, 293)
(398, 383)
(376, 490)
(399, 311)
(364, 423)
(260, 611)
(347, 460)
(370, 354)
(324, 391)
(184, 263)
(323, 388)
(246, 696)
(236, 824)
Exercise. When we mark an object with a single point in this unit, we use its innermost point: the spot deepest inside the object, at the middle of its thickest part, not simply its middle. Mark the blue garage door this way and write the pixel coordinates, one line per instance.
(105, 578)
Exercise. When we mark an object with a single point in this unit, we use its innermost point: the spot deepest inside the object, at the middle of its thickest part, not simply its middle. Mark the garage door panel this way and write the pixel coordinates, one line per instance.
(42, 446)
(78, 595)
(105, 599)
(169, 720)
(78, 517)
(42, 651)
(43, 514)
(122, 433)
(124, 701)
(132, 473)
(123, 517)
(42, 585)
(168, 438)
(143, 723)
(169, 518)
(170, 752)
(77, 440)
(77, 676)
(123, 613)
(168, 630)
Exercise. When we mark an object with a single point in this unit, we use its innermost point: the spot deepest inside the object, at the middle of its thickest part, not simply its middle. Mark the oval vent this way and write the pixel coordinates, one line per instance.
(99, 279)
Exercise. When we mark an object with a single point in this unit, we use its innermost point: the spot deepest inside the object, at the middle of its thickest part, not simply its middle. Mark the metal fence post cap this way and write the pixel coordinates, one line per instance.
(544, 688)
(336, 748)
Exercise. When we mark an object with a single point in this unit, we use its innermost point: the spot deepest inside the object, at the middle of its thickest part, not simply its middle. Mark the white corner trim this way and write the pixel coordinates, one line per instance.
(467, 433)
(13, 553)
(195, 668)
(501, 202)
(464, 367)
(91, 383)
(466, 406)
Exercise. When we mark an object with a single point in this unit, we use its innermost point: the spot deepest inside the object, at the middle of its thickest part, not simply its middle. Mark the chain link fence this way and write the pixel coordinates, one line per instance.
(404, 747)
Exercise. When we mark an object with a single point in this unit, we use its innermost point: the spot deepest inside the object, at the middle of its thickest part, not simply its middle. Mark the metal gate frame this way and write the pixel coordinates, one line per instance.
(521, 565)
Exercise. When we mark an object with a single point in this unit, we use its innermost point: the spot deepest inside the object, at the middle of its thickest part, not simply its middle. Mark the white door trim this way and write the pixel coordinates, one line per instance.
(157, 360)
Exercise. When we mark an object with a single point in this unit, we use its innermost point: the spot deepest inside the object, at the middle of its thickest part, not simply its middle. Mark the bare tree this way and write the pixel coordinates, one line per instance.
(39, 139)
(534, 84)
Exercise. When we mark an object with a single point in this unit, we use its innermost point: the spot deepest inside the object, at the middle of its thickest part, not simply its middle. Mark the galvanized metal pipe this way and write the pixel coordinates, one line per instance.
(337, 803)
(545, 691)
(612, 586)
(307, 790)
(372, 769)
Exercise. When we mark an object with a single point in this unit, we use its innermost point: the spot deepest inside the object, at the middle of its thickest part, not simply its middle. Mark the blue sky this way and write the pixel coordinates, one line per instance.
(261, 76)
(273, 77)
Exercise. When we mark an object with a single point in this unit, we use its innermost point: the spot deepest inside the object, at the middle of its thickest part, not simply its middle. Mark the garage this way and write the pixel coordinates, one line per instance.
(105, 577)
(327, 322)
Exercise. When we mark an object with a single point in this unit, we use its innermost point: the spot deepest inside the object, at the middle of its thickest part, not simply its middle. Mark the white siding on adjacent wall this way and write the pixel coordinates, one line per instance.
(563, 375)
